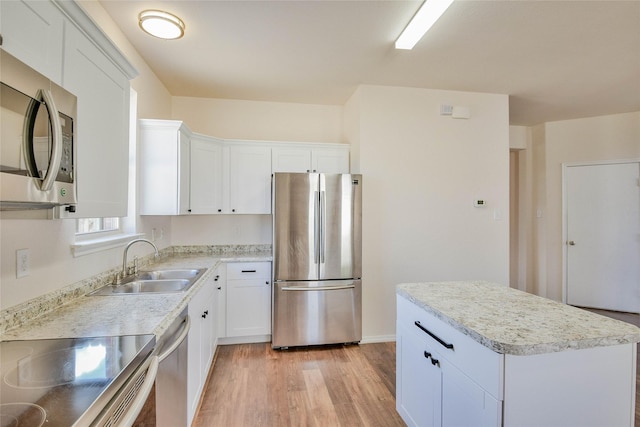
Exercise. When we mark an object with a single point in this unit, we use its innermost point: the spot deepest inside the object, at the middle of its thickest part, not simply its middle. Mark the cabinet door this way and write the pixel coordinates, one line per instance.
(206, 176)
(249, 179)
(194, 345)
(248, 299)
(184, 172)
(327, 160)
(163, 174)
(32, 31)
(418, 382)
(200, 345)
(221, 307)
(291, 160)
(102, 129)
(465, 403)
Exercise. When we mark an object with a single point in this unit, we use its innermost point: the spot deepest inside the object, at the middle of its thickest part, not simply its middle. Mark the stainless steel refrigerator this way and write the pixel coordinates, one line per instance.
(317, 268)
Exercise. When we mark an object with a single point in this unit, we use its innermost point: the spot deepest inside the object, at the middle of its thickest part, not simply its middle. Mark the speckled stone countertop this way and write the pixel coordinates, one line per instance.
(85, 316)
(510, 321)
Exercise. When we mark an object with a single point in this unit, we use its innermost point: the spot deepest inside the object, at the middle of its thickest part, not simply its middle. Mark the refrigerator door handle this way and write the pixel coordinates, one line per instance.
(322, 288)
(316, 228)
(322, 225)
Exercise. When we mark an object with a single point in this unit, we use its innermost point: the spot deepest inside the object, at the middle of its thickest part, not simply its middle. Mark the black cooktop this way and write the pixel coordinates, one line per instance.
(65, 381)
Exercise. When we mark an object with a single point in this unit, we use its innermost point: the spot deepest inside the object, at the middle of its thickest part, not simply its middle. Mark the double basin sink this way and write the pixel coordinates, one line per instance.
(155, 281)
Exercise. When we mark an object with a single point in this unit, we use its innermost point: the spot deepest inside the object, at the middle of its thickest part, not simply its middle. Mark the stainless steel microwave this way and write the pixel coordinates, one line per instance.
(37, 140)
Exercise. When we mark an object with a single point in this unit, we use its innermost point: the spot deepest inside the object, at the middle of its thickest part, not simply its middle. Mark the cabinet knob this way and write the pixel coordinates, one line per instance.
(266, 283)
(216, 278)
(219, 210)
(188, 210)
(219, 287)
(233, 210)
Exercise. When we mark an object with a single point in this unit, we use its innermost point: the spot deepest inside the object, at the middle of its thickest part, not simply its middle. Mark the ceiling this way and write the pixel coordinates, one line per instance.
(556, 60)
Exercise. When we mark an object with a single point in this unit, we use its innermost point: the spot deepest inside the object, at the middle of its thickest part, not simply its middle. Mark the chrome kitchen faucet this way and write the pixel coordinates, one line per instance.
(134, 270)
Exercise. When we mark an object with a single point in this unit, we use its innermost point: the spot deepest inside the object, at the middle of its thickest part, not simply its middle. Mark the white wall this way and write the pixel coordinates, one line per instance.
(276, 121)
(421, 174)
(221, 230)
(612, 137)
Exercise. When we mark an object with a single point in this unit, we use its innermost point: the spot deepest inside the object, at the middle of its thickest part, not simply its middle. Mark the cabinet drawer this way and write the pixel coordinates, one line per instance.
(248, 270)
(479, 363)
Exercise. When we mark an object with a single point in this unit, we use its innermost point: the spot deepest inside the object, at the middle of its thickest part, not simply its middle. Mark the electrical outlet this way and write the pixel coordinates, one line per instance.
(23, 263)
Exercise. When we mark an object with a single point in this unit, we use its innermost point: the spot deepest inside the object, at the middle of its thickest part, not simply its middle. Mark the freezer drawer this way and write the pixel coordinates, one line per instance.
(317, 312)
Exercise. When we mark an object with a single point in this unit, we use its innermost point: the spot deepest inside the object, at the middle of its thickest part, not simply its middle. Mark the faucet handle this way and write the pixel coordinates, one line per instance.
(117, 278)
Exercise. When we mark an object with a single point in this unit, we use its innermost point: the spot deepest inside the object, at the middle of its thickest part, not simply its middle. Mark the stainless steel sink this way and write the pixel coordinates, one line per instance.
(154, 281)
(168, 274)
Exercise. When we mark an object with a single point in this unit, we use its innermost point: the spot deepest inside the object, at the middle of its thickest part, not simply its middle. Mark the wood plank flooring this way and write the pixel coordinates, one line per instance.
(253, 385)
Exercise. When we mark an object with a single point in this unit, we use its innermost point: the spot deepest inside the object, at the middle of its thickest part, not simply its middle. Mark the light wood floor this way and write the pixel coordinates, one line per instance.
(253, 385)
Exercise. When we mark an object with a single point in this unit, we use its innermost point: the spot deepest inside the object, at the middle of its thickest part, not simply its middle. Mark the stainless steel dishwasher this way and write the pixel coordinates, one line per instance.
(171, 380)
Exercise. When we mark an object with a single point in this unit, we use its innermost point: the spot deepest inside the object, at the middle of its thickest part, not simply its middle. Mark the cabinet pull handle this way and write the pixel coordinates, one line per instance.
(204, 315)
(427, 354)
(248, 271)
(432, 335)
(435, 362)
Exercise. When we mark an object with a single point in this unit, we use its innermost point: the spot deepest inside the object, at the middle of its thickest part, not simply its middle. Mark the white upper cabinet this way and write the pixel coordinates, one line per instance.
(219, 176)
(249, 179)
(329, 158)
(206, 175)
(103, 93)
(164, 167)
(33, 32)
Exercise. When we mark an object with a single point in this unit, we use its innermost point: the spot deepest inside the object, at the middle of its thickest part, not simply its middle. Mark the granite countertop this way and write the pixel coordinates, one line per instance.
(111, 315)
(509, 321)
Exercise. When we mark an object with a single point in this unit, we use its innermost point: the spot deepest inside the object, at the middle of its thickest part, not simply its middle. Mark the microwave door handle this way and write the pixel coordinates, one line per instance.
(27, 137)
(56, 141)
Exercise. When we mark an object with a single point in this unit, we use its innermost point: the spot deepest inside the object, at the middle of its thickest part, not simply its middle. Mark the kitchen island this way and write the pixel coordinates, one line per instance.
(479, 353)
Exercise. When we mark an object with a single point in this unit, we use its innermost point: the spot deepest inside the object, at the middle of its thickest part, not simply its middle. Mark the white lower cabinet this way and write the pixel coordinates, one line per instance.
(441, 386)
(418, 389)
(248, 294)
(202, 341)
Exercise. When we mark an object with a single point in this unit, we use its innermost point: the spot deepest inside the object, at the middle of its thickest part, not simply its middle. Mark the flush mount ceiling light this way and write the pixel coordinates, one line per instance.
(427, 15)
(161, 24)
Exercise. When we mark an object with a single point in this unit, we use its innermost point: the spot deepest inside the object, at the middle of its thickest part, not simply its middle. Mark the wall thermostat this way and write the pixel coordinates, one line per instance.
(479, 203)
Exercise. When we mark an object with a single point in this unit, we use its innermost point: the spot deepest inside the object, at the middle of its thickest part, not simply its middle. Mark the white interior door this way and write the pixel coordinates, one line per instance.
(603, 236)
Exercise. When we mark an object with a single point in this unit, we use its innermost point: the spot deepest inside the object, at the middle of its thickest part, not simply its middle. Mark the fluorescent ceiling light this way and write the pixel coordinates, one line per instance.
(427, 15)
(161, 24)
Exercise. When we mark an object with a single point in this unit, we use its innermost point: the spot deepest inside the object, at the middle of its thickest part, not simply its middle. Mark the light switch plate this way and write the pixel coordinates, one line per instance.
(23, 262)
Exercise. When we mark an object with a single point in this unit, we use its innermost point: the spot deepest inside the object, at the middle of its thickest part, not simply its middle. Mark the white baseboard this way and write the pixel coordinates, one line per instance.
(378, 338)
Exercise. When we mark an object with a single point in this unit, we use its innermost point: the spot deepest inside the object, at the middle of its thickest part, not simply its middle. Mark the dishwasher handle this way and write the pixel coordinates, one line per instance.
(176, 343)
(141, 397)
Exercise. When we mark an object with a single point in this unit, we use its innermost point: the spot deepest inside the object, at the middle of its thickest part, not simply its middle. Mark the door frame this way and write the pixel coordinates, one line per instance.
(565, 231)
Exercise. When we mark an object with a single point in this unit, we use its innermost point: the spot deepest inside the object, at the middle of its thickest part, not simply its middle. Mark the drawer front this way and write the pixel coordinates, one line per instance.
(248, 270)
(482, 365)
